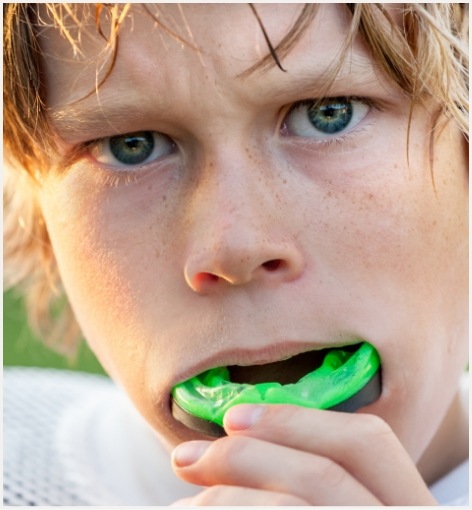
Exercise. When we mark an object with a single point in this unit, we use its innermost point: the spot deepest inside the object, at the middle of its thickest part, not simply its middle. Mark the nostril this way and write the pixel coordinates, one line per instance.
(239, 269)
(272, 265)
(202, 278)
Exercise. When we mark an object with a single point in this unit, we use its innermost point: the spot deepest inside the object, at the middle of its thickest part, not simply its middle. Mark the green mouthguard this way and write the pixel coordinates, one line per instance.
(342, 375)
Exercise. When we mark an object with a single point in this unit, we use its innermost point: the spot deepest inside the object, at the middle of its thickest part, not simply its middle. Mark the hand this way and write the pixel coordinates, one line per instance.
(287, 455)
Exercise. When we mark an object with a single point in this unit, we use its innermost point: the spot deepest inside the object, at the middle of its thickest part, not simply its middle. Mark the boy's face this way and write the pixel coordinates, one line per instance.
(255, 231)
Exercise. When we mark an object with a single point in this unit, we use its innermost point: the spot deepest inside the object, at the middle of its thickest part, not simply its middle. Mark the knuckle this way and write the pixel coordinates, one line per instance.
(232, 449)
(234, 445)
(328, 473)
(370, 431)
(334, 475)
(374, 426)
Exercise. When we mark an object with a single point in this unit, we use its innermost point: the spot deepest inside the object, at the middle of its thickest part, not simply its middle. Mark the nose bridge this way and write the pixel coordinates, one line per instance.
(233, 205)
(236, 234)
(237, 196)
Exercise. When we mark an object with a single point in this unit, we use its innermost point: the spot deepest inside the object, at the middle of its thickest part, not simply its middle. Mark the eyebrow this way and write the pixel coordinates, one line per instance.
(81, 120)
(357, 71)
(85, 119)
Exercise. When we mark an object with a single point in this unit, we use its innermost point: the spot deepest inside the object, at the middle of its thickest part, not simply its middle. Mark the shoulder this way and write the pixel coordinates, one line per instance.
(75, 439)
(35, 401)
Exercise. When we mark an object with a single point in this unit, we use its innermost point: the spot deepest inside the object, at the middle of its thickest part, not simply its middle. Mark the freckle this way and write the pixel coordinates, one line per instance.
(164, 198)
(158, 253)
(285, 181)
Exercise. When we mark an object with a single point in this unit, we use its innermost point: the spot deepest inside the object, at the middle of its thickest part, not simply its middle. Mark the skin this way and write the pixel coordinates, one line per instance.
(170, 268)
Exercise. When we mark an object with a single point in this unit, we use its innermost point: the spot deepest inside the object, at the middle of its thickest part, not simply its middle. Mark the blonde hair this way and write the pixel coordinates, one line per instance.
(426, 55)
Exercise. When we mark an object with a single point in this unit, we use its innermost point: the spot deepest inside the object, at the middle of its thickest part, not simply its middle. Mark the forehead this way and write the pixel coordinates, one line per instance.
(170, 42)
(198, 26)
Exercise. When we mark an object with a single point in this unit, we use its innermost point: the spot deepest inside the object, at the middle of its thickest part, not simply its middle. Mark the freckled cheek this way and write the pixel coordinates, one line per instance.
(386, 245)
(107, 255)
(366, 229)
(95, 282)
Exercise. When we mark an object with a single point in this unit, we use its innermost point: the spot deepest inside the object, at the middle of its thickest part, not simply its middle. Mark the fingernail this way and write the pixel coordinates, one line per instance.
(243, 416)
(188, 453)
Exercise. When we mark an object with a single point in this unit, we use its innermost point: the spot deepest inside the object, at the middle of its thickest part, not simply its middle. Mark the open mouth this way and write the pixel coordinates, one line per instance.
(288, 371)
(342, 379)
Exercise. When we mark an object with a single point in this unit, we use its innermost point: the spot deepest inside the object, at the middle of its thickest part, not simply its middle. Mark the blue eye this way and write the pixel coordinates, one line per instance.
(324, 119)
(132, 148)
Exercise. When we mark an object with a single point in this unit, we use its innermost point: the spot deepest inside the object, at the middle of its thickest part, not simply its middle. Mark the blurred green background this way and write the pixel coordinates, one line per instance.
(22, 348)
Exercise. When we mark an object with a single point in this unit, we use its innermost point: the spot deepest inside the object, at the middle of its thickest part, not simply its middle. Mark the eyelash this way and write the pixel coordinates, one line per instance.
(113, 177)
(338, 138)
(105, 176)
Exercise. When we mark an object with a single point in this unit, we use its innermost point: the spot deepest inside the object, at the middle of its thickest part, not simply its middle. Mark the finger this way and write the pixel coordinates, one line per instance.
(223, 495)
(252, 463)
(363, 444)
(183, 502)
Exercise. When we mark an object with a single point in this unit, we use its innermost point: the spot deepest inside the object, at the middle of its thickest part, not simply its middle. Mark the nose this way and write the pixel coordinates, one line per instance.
(234, 261)
(240, 234)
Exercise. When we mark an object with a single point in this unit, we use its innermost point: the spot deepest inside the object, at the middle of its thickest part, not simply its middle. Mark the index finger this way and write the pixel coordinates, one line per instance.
(363, 444)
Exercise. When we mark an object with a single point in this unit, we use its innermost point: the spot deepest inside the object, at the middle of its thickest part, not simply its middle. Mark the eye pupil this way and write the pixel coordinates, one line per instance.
(332, 117)
(133, 148)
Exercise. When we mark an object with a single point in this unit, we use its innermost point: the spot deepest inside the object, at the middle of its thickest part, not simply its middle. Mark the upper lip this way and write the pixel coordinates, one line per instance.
(246, 357)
